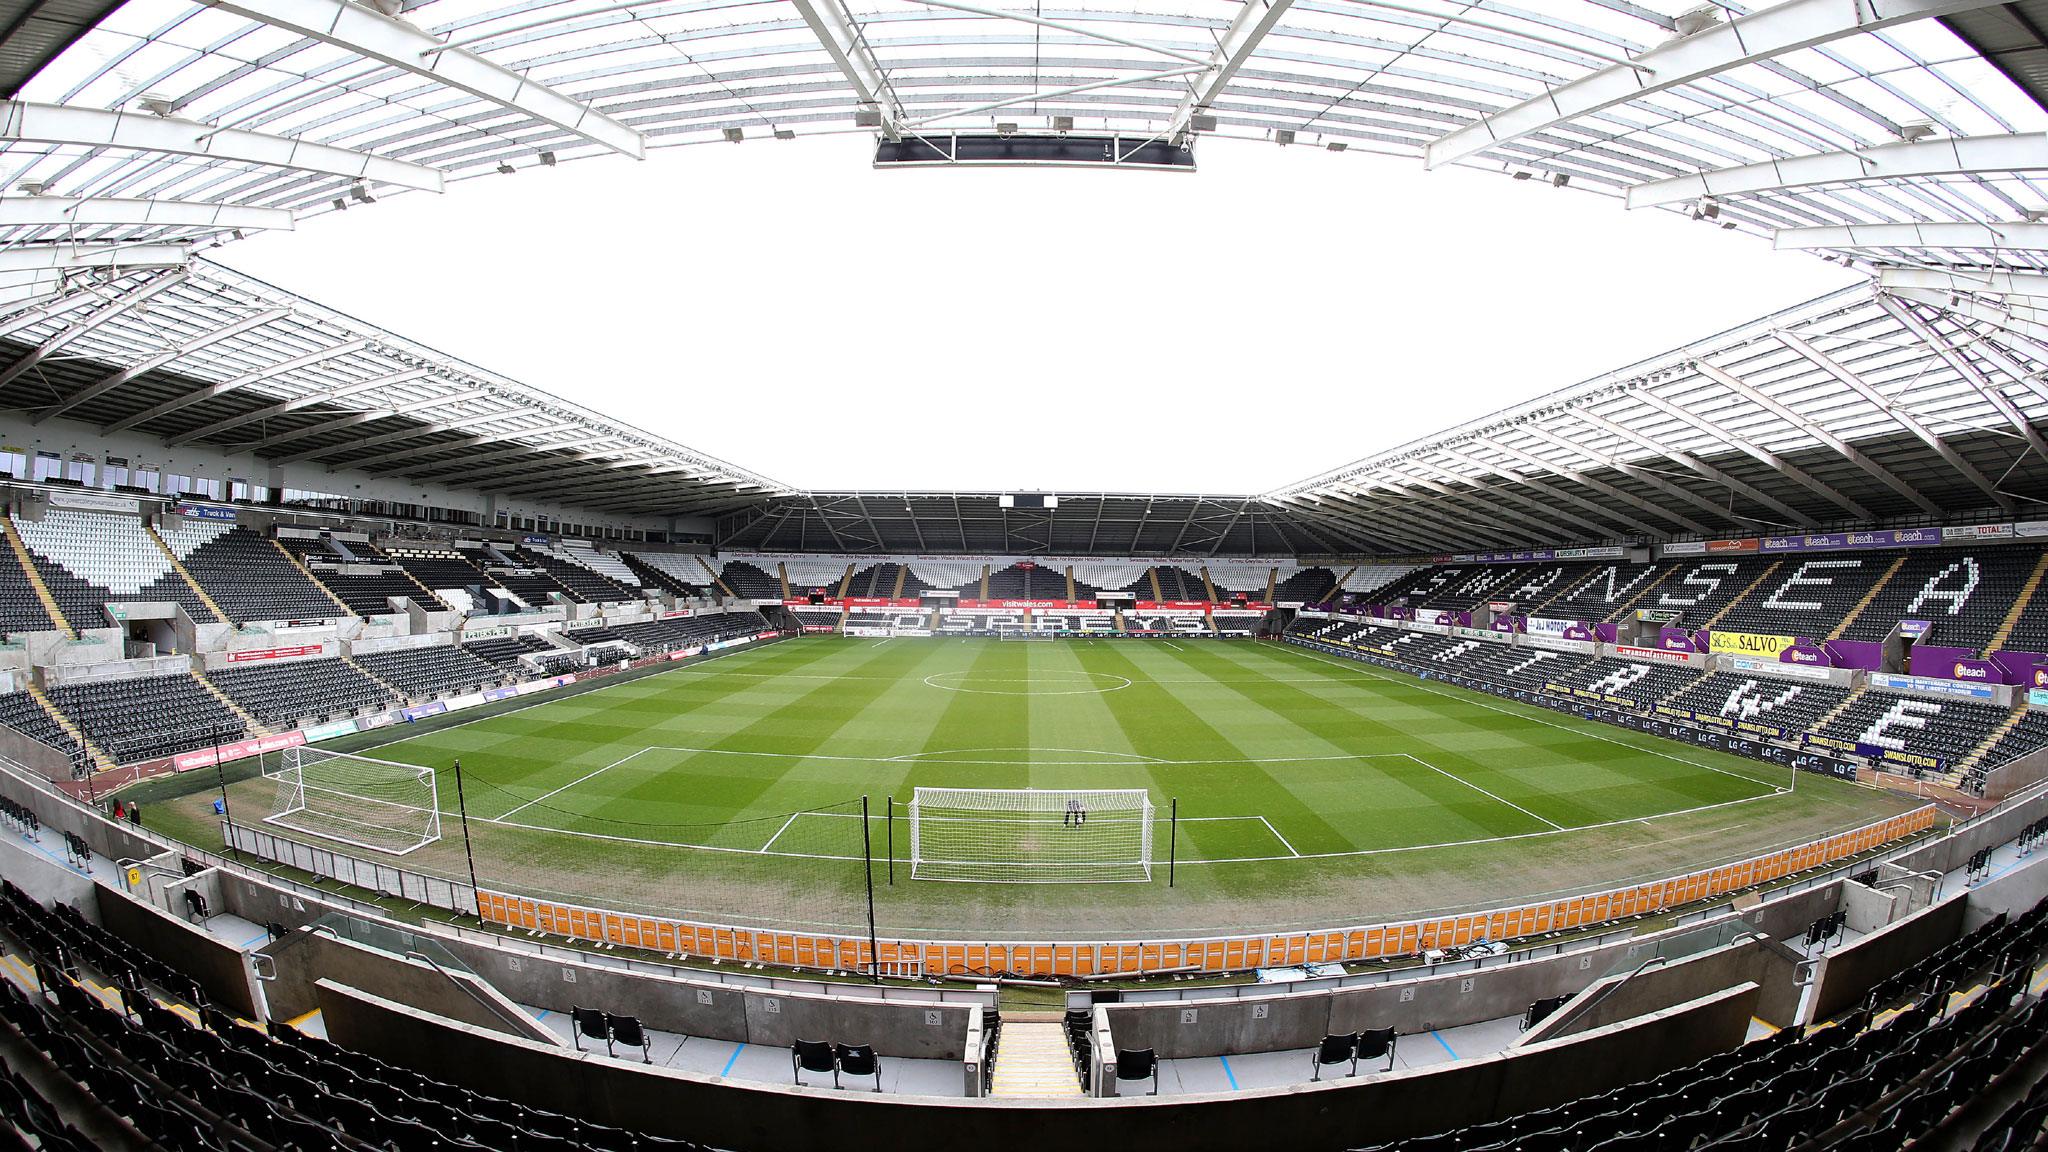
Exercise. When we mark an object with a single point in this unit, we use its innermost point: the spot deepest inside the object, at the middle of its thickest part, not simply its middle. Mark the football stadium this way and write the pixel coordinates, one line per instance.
(402, 753)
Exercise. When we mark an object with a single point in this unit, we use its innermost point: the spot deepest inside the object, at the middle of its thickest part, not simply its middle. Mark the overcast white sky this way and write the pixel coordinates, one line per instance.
(786, 307)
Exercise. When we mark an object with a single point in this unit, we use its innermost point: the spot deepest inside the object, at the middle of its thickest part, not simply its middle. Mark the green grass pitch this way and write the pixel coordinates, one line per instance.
(1311, 790)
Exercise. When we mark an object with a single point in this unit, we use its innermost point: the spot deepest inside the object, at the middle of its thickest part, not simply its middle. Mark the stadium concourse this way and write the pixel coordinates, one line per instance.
(394, 755)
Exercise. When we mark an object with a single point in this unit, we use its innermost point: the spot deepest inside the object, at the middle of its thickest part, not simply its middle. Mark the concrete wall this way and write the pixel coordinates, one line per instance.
(1996, 827)
(1868, 909)
(311, 954)
(1287, 1019)
(222, 969)
(1845, 975)
(1623, 996)
(918, 1024)
(2012, 893)
(774, 1118)
(38, 870)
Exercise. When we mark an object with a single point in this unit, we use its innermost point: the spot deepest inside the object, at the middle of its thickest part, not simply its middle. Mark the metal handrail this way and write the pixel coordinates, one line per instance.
(515, 1023)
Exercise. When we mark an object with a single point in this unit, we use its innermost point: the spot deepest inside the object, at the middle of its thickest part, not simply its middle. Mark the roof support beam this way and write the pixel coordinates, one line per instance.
(1601, 486)
(438, 426)
(1255, 18)
(355, 418)
(1760, 36)
(1468, 511)
(412, 432)
(1639, 474)
(1594, 508)
(1326, 507)
(835, 29)
(1877, 471)
(1938, 280)
(2016, 320)
(114, 381)
(1549, 515)
(64, 256)
(107, 211)
(1762, 455)
(1968, 370)
(293, 405)
(115, 307)
(1943, 157)
(141, 132)
(1421, 518)
(396, 44)
(1700, 466)
(261, 374)
(465, 466)
(1904, 419)
(2001, 236)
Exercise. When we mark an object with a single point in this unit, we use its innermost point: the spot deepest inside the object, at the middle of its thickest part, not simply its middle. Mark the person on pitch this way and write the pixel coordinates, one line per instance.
(1073, 815)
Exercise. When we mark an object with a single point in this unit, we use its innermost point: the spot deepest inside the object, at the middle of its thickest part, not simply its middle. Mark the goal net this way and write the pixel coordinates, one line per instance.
(374, 804)
(1031, 835)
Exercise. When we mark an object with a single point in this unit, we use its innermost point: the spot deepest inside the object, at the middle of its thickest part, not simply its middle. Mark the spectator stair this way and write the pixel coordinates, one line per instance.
(1630, 603)
(396, 692)
(35, 580)
(2020, 604)
(178, 566)
(293, 559)
(1862, 605)
(782, 574)
(1034, 1061)
(100, 760)
(846, 583)
(715, 581)
(1975, 760)
(1208, 586)
(228, 702)
(1761, 577)
(902, 574)
(1837, 711)
(1339, 585)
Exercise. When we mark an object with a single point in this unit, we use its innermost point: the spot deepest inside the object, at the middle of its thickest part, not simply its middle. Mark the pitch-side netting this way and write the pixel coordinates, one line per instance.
(375, 804)
(1031, 835)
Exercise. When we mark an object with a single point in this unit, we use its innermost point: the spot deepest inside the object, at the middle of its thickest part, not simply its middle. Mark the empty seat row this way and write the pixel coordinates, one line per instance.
(297, 692)
(439, 670)
(147, 717)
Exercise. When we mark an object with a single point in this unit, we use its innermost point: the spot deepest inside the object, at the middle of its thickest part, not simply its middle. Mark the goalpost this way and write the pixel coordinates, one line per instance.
(1031, 835)
(375, 804)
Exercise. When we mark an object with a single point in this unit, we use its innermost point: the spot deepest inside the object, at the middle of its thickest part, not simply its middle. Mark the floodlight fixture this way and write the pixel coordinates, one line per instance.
(867, 118)
(1917, 130)
(784, 134)
(1202, 122)
(1006, 128)
(735, 135)
(361, 195)
(505, 168)
(547, 159)
(1337, 145)
(1560, 179)
(32, 187)
(1283, 136)
(1063, 123)
(157, 105)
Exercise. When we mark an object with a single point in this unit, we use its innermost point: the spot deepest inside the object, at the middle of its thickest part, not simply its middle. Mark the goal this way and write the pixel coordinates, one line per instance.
(375, 804)
(1031, 835)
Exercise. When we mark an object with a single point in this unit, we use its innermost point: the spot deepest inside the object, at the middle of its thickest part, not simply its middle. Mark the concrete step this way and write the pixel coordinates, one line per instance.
(1034, 1061)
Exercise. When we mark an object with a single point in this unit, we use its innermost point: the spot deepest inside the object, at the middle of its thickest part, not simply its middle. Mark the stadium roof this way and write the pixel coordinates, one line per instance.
(1904, 137)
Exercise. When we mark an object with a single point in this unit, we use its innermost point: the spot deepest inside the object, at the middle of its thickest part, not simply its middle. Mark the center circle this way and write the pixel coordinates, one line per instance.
(1077, 684)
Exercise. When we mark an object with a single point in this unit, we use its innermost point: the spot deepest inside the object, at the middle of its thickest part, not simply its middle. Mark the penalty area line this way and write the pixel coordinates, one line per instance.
(1483, 792)
(763, 850)
(570, 784)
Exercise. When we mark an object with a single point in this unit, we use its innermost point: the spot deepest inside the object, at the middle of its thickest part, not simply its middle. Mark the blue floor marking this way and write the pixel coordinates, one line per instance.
(544, 1014)
(1447, 1044)
(732, 1060)
(256, 939)
(1227, 1072)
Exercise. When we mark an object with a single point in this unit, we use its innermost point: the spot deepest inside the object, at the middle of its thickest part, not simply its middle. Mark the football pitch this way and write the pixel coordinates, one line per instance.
(1310, 790)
